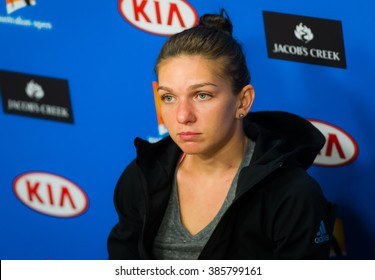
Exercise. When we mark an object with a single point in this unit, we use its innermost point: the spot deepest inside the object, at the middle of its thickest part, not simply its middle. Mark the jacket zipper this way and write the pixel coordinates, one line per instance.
(143, 253)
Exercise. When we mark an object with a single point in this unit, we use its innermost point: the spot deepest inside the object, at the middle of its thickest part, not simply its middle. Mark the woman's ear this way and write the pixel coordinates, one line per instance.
(246, 96)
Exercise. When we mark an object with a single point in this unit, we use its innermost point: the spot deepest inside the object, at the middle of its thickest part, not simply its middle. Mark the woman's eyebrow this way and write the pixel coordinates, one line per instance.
(196, 86)
(192, 87)
(164, 88)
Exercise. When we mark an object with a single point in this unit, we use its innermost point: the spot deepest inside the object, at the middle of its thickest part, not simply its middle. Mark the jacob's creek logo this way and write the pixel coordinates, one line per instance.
(305, 39)
(50, 194)
(162, 17)
(340, 148)
(13, 6)
(36, 96)
(33, 90)
(303, 33)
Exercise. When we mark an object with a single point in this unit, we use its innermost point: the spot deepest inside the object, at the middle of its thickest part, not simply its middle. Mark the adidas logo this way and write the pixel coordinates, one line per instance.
(321, 235)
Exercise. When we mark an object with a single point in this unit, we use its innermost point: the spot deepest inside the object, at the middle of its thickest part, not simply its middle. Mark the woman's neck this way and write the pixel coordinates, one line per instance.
(227, 158)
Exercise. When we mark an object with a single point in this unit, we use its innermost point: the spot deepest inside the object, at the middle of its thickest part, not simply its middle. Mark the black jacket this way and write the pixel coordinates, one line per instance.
(279, 211)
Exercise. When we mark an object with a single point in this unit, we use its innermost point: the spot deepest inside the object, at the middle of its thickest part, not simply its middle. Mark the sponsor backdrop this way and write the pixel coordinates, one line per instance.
(77, 86)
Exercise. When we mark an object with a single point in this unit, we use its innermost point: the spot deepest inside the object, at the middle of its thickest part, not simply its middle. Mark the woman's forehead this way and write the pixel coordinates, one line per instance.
(187, 64)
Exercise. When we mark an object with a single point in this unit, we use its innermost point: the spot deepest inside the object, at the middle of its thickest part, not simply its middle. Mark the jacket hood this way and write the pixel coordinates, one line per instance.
(284, 137)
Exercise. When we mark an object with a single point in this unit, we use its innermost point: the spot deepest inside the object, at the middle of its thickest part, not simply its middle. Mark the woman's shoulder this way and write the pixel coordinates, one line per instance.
(294, 183)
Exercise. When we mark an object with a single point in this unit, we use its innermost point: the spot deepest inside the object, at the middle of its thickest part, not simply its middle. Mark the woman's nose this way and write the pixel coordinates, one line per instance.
(185, 112)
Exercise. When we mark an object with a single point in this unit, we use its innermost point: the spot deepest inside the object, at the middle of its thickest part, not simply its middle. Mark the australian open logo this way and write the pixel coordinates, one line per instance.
(162, 129)
(305, 39)
(14, 18)
(14, 5)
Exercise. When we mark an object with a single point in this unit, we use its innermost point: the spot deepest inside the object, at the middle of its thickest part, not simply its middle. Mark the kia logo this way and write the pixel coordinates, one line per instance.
(340, 148)
(50, 194)
(161, 17)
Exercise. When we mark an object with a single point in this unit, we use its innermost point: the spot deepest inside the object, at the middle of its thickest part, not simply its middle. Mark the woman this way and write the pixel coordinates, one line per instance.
(226, 183)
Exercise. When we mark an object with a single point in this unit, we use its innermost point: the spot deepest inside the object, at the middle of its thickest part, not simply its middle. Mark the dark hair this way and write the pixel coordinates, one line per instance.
(212, 39)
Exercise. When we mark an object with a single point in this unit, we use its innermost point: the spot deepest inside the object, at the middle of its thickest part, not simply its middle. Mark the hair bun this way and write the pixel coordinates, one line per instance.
(220, 22)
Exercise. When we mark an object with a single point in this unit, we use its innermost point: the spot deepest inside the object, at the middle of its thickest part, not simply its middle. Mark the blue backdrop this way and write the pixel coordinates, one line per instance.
(57, 178)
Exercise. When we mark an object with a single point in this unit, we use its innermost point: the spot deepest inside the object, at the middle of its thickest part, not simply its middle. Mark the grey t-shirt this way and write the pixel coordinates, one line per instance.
(173, 241)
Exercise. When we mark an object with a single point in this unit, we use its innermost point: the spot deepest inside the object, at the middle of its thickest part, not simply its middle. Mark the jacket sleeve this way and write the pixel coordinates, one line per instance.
(303, 219)
(124, 238)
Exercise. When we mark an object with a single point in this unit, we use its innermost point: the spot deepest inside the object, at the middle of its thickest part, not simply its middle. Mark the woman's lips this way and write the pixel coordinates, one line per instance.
(188, 136)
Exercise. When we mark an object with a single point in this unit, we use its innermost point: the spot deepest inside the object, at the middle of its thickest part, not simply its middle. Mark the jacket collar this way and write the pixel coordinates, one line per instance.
(281, 138)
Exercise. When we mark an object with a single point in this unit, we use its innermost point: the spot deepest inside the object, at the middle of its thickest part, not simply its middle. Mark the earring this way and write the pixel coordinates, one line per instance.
(241, 116)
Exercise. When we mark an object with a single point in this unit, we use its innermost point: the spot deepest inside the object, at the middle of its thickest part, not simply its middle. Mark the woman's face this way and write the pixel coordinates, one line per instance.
(198, 106)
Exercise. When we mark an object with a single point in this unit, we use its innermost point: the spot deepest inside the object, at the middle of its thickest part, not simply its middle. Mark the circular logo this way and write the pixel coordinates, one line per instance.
(50, 194)
(340, 148)
(161, 17)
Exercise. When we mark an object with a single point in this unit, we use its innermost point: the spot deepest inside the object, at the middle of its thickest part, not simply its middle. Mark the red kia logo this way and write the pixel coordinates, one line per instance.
(340, 148)
(50, 194)
(162, 17)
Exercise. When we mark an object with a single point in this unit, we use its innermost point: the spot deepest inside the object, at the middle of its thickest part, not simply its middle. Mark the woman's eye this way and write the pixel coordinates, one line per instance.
(167, 98)
(203, 96)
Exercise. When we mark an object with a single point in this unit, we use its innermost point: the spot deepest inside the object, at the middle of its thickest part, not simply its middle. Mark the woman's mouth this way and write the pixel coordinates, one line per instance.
(188, 135)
